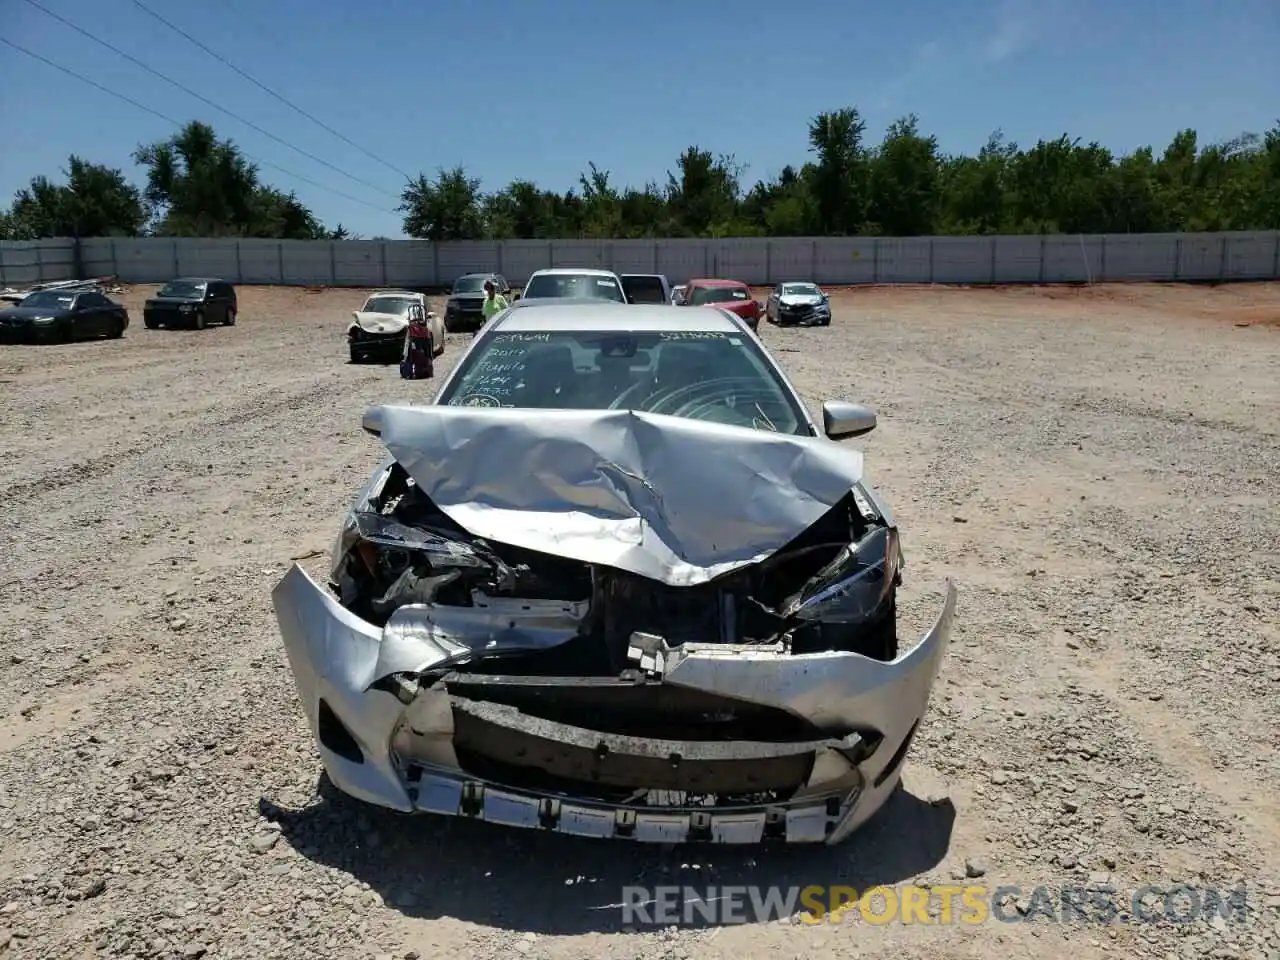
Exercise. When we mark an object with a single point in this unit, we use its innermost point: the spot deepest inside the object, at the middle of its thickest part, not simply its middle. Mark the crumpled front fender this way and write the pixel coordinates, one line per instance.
(334, 656)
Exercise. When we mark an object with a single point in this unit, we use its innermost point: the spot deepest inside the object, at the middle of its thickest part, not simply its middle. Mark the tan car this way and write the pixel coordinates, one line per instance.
(377, 329)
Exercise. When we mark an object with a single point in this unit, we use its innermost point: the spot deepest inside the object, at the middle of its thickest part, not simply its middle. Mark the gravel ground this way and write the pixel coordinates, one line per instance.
(1097, 469)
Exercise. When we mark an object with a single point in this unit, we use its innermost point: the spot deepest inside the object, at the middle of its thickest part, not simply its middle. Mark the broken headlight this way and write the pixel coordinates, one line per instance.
(854, 585)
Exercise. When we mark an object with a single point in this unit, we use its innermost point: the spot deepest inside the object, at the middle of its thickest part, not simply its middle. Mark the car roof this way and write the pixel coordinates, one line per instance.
(197, 280)
(393, 293)
(570, 315)
(573, 271)
(717, 283)
(468, 275)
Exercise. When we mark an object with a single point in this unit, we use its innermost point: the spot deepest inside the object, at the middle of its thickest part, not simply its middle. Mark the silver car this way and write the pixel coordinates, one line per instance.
(800, 303)
(616, 582)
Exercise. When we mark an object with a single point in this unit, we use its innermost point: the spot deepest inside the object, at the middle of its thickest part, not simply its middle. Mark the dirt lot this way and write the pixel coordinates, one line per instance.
(1097, 469)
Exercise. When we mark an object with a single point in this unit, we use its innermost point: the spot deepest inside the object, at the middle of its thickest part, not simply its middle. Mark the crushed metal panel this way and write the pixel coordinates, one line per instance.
(673, 499)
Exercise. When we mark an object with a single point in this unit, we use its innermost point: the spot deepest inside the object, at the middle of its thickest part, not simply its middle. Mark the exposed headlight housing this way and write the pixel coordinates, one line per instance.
(854, 585)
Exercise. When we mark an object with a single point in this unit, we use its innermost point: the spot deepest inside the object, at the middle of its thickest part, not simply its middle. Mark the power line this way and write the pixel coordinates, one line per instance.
(177, 123)
(262, 86)
(203, 99)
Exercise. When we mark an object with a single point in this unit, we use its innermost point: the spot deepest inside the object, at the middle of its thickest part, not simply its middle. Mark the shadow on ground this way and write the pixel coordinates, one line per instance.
(428, 866)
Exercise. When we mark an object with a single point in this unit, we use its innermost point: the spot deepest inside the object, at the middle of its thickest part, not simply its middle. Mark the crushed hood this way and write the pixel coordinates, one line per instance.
(676, 500)
(381, 322)
(800, 300)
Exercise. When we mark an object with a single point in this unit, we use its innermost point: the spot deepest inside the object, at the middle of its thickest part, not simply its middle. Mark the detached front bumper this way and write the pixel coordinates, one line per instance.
(444, 747)
(388, 347)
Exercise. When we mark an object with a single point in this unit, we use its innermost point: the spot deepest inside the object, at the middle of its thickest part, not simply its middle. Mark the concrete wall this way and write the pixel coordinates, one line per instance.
(828, 260)
(31, 261)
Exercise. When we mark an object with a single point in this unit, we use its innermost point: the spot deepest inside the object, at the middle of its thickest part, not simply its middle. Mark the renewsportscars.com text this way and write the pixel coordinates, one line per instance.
(933, 905)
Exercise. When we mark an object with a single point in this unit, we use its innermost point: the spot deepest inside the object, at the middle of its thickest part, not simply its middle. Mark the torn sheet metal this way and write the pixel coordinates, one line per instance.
(677, 500)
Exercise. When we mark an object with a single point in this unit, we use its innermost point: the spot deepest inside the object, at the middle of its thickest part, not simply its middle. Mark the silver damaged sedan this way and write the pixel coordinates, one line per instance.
(615, 581)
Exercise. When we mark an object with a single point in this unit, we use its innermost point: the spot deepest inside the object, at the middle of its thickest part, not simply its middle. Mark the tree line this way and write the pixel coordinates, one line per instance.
(199, 185)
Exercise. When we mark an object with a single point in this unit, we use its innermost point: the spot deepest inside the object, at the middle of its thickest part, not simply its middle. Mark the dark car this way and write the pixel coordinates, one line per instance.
(192, 302)
(646, 288)
(464, 311)
(58, 315)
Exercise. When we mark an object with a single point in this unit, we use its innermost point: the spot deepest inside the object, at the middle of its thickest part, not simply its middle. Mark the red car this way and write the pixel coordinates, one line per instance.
(731, 295)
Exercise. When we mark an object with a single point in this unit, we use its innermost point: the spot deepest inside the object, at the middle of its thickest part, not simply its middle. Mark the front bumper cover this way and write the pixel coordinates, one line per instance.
(340, 665)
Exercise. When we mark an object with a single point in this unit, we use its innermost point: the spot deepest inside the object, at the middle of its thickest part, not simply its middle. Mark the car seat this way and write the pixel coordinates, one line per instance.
(682, 364)
(549, 376)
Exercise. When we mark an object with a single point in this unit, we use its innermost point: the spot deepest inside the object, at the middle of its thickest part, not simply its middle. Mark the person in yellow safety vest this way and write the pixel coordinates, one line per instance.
(494, 302)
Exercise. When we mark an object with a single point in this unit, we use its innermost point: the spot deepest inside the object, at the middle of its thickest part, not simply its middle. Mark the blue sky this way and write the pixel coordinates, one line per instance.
(536, 90)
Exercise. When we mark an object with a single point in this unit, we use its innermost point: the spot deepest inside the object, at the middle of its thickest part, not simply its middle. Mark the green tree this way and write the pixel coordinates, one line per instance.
(904, 176)
(839, 176)
(704, 196)
(96, 201)
(200, 186)
(447, 208)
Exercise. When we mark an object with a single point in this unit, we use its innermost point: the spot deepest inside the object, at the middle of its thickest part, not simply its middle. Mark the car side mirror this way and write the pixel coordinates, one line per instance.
(842, 419)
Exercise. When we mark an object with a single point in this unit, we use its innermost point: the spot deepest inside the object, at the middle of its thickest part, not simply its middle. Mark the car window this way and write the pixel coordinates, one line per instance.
(800, 290)
(181, 288)
(703, 295)
(399, 306)
(574, 286)
(48, 300)
(712, 376)
(94, 300)
(469, 284)
(644, 289)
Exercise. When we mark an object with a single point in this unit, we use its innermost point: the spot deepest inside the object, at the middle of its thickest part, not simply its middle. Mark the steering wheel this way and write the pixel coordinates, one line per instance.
(695, 400)
(718, 389)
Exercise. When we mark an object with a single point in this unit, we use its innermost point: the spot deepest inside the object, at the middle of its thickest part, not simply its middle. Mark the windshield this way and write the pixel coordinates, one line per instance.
(574, 286)
(394, 305)
(49, 300)
(644, 289)
(718, 377)
(703, 295)
(800, 290)
(469, 284)
(182, 288)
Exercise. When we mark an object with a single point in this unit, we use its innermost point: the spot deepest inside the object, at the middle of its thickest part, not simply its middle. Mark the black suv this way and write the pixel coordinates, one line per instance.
(191, 302)
(465, 309)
